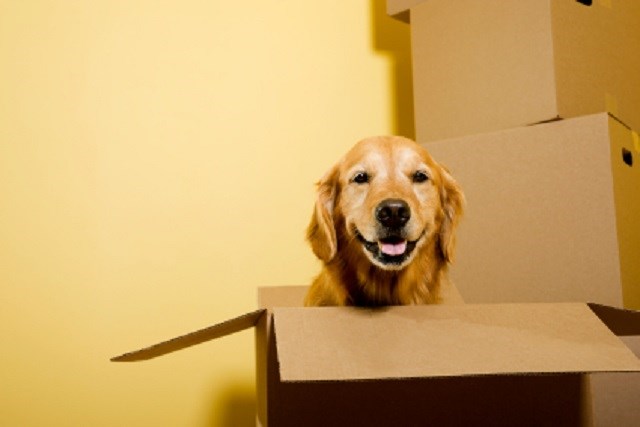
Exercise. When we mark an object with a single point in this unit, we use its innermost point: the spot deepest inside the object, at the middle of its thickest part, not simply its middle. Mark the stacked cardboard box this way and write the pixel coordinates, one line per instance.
(534, 106)
(488, 65)
(555, 201)
(552, 213)
(546, 255)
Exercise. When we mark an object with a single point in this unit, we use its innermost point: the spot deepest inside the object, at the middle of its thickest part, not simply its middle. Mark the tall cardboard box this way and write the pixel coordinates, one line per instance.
(552, 212)
(444, 365)
(488, 65)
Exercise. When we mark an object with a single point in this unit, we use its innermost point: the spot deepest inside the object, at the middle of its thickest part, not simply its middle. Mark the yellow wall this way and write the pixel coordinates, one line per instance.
(157, 161)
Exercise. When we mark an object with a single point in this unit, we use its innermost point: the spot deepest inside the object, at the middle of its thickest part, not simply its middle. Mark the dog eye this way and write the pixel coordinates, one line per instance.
(361, 178)
(420, 176)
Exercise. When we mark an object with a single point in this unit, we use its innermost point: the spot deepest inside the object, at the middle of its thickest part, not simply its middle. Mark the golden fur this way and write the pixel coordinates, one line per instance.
(365, 261)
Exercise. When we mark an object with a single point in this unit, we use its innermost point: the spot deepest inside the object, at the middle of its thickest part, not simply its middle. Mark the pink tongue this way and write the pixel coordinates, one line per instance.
(393, 249)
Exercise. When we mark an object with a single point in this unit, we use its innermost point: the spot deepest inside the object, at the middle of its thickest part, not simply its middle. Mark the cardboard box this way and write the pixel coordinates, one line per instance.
(489, 65)
(616, 395)
(552, 212)
(497, 364)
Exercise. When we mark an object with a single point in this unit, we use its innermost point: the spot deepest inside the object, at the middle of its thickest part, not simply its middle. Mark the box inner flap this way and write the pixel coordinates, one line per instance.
(227, 327)
(281, 296)
(333, 344)
(399, 9)
(620, 321)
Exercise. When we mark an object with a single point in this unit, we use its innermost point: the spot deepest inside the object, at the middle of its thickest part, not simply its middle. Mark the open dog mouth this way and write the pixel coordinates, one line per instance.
(391, 251)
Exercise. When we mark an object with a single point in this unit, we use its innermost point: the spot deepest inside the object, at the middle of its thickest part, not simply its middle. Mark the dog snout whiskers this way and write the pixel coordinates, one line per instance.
(393, 213)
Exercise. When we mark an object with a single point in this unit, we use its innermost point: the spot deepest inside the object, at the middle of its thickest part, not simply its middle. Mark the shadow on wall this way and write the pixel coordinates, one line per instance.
(393, 38)
(235, 407)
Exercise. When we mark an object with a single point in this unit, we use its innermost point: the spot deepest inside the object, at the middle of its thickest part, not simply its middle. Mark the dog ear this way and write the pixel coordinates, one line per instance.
(321, 232)
(453, 202)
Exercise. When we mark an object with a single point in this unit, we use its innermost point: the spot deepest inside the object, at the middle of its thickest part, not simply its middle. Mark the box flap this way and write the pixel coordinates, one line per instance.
(449, 293)
(227, 327)
(399, 9)
(620, 321)
(329, 344)
(281, 296)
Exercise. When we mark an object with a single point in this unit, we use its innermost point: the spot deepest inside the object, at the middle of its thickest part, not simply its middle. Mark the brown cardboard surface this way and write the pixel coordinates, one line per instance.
(267, 384)
(626, 180)
(477, 395)
(616, 395)
(493, 65)
(633, 343)
(274, 401)
(333, 344)
(551, 213)
(281, 296)
(481, 66)
(603, 39)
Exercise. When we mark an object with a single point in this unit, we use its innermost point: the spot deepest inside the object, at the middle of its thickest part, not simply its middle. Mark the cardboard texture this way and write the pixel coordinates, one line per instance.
(481, 66)
(334, 344)
(426, 364)
(551, 215)
(616, 395)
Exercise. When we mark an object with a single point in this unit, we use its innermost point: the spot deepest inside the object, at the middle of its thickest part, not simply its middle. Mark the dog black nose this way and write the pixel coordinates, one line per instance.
(393, 213)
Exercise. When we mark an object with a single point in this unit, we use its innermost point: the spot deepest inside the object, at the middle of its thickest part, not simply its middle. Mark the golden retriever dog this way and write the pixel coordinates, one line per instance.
(383, 226)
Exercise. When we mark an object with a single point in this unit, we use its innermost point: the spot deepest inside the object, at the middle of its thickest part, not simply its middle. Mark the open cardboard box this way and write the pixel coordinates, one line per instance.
(481, 66)
(552, 212)
(451, 364)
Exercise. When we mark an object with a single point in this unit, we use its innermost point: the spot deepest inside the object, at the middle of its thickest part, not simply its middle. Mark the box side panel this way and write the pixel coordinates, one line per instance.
(597, 63)
(269, 395)
(584, 57)
(477, 401)
(540, 220)
(481, 66)
(633, 342)
(262, 342)
(615, 399)
(625, 164)
(277, 402)
(616, 395)
(621, 322)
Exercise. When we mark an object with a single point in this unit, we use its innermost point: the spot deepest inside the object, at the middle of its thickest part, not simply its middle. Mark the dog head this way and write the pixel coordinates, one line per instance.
(385, 200)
